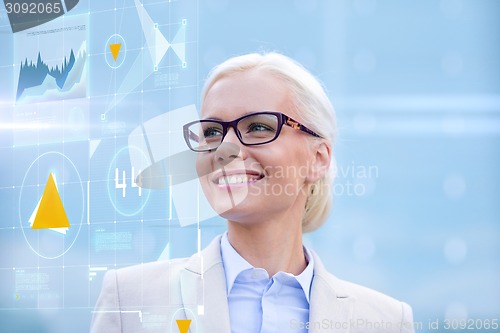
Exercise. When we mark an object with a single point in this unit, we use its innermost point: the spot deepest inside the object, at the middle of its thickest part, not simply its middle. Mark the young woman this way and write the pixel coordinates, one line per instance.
(264, 145)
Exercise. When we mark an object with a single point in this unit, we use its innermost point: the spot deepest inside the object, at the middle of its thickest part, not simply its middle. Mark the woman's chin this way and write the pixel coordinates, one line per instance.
(229, 205)
(230, 198)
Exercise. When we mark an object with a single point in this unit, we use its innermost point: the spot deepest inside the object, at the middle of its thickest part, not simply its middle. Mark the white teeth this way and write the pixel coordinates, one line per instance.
(239, 179)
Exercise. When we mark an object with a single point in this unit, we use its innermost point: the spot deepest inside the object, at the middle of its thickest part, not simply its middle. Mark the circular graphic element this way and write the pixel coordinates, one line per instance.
(115, 51)
(125, 195)
(51, 183)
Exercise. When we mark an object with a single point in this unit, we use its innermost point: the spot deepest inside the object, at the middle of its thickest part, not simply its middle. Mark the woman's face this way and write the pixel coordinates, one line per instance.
(259, 182)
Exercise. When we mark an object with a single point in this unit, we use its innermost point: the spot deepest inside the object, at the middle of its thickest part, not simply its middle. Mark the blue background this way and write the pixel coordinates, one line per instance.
(416, 88)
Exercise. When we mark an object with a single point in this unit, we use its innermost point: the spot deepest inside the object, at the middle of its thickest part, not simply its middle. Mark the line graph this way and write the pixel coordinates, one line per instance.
(44, 73)
(38, 79)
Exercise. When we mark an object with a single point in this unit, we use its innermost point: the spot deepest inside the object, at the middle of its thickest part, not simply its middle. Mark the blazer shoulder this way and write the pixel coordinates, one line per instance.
(148, 283)
(363, 293)
(372, 307)
(149, 294)
(151, 269)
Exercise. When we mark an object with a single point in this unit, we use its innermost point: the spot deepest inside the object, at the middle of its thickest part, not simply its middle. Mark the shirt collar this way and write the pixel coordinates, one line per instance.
(234, 264)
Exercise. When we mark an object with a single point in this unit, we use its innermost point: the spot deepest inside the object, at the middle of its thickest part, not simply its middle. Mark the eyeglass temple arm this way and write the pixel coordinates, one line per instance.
(296, 125)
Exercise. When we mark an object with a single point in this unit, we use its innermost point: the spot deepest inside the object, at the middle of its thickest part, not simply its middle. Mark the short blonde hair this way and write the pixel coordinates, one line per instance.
(311, 103)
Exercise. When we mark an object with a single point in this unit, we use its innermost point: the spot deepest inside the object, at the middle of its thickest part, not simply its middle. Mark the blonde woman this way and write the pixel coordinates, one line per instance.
(264, 145)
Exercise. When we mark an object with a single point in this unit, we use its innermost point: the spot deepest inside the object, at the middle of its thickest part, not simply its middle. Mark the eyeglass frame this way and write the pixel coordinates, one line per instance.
(283, 119)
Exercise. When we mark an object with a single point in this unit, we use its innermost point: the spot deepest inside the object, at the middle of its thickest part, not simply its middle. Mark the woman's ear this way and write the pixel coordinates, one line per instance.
(322, 156)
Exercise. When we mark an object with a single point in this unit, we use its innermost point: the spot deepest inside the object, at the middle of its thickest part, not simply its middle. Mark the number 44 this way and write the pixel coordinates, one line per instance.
(123, 184)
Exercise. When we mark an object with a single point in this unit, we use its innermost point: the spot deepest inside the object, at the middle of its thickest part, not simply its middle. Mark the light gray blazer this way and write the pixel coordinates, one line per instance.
(151, 297)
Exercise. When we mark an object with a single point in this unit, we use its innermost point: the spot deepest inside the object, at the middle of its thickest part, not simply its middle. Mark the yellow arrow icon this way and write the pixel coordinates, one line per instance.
(115, 49)
(50, 212)
(183, 325)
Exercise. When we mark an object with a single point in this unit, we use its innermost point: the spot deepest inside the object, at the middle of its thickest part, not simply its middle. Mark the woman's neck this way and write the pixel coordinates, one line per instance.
(273, 245)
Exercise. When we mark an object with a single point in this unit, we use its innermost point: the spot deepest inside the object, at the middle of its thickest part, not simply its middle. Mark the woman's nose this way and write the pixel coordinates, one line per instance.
(229, 149)
(225, 153)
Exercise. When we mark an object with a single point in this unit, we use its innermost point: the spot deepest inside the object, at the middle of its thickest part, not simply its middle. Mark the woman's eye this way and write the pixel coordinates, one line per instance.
(211, 132)
(259, 128)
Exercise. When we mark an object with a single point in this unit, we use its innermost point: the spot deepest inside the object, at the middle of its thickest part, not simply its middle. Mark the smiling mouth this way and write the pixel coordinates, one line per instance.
(238, 179)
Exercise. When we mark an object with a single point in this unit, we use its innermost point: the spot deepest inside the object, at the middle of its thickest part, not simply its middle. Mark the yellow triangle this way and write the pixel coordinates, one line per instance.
(51, 212)
(115, 48)
(183, 325)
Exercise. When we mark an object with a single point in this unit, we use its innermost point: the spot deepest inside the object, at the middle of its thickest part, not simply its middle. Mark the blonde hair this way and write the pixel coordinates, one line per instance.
(311, 103)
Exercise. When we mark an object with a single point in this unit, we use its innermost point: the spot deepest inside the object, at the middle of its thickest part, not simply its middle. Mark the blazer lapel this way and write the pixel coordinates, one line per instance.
(203, 284)
(331, 308)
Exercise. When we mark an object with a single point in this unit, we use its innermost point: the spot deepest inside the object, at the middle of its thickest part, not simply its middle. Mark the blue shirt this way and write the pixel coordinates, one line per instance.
(260, 304)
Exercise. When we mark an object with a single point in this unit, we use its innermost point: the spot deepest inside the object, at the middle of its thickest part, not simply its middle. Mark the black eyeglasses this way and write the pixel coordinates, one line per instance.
(253, 129)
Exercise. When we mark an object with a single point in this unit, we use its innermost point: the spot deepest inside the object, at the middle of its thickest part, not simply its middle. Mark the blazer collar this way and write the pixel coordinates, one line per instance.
(203, 284)
(331, 307)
